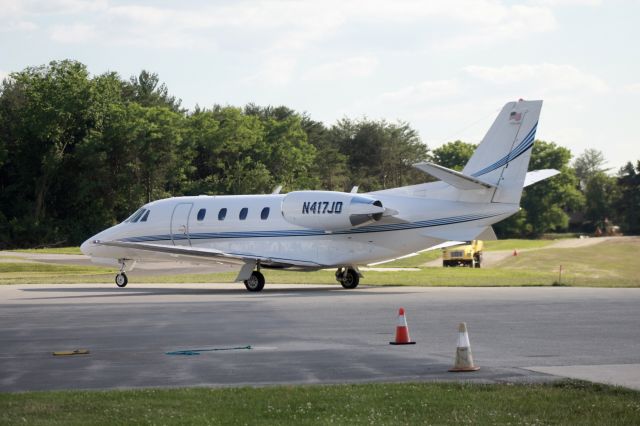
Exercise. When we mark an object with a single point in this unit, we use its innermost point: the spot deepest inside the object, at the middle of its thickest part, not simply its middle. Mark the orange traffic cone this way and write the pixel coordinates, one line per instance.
(402, 331)
(515, 252)
(464, 359)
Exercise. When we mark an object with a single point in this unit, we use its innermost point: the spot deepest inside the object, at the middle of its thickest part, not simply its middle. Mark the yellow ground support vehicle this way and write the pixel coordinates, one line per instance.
(468, 255)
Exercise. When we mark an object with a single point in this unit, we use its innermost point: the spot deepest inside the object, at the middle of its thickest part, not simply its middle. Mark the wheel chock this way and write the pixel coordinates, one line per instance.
(74, 352)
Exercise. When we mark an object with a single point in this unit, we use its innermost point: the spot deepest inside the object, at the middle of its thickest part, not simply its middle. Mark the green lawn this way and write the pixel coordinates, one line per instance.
(515, 244)
(52, 250)
(37, 272)
(608, 264)
(416, 261)
(512, 244)
(612, 263)
(569, 402)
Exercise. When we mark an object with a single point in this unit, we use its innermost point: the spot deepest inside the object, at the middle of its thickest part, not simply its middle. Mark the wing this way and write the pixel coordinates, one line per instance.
(203, 255)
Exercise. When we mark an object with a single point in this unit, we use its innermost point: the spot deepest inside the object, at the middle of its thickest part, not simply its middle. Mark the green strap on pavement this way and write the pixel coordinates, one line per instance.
(197, 351)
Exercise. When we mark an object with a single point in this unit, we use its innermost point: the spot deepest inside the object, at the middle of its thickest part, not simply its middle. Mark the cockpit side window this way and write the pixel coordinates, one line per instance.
(145, 216)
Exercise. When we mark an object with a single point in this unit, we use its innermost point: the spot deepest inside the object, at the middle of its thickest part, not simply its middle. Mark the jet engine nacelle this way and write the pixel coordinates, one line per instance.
(330, 210)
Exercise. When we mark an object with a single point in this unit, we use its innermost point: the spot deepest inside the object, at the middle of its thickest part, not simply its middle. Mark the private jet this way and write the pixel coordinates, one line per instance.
(312, 230)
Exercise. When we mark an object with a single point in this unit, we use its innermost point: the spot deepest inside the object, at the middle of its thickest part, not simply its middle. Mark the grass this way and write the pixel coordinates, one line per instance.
(37, 272)
(52, 250)
(567, 402)
(416, 261)
(511, 244)
(426, 277)
(45, 273)
(608, 264)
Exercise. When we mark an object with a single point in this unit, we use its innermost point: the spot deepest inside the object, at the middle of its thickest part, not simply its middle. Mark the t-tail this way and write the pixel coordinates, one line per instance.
(497, 170)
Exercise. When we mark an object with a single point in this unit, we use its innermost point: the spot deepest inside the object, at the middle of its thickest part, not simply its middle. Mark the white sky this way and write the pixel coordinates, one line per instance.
(446, 67)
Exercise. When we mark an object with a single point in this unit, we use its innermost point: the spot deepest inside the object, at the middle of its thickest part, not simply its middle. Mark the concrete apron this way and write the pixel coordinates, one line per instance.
(626, 375)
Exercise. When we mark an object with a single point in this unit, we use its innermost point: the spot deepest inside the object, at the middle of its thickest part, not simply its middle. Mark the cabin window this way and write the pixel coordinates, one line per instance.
(222, 213)
(201, 214)
(265, 213)
(145, 216)
(243, 213)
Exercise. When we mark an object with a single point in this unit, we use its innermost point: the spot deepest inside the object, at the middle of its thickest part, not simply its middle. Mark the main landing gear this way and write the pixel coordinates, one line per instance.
(255, 282)
(348, 277)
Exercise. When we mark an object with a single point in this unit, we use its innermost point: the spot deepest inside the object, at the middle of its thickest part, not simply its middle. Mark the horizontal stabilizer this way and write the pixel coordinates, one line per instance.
(538, 175)
(452, 177)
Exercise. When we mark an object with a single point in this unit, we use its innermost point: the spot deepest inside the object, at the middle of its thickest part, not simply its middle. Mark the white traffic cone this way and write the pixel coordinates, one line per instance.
(464, 359)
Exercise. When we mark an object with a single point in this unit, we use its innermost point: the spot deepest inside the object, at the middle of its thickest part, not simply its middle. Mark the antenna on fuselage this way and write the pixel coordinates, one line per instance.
(354, 190)
(277, 189)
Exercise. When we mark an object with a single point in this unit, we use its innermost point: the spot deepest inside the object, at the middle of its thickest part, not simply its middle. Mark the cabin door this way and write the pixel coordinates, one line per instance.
(180, 224)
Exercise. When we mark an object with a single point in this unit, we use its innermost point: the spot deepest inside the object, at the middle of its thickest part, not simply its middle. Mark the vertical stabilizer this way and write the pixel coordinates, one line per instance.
(502, 158)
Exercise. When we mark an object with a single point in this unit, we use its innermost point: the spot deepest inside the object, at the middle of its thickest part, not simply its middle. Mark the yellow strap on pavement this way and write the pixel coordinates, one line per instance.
(75, 352)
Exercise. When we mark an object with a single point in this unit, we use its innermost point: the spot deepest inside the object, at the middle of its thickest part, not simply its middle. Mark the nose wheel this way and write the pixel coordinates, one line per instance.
(121, 279)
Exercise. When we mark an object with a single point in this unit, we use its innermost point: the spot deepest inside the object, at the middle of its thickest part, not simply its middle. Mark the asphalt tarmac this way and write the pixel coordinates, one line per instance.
(303, 334)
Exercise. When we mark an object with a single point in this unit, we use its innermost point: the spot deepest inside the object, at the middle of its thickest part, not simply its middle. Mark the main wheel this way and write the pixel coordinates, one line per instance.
(351, 279)
(121, 279)
(255, 281)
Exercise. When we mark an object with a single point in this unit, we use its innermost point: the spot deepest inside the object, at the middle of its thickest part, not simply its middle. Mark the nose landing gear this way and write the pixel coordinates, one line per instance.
(121, 279)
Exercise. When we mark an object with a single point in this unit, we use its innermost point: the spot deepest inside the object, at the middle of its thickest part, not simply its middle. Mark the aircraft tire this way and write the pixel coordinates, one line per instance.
(351, 279)
(121, 280)
(255, 282)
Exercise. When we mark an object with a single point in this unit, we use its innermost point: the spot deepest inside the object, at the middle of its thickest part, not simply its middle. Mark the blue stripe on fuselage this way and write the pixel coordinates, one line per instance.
(311, 232)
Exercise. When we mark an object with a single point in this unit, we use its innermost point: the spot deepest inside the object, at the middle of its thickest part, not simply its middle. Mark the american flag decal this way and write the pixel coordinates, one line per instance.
(515, 116)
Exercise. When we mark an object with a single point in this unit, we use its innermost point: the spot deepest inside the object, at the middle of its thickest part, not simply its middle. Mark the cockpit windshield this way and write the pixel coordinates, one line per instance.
(141, 213)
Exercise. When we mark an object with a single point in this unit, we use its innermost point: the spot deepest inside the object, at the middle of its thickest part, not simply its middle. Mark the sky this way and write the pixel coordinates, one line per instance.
(444, 67)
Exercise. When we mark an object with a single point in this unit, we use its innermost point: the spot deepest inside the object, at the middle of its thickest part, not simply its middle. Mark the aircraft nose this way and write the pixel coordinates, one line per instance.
(86, 247)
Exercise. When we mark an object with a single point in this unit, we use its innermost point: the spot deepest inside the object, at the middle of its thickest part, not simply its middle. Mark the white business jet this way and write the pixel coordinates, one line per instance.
(311, 230)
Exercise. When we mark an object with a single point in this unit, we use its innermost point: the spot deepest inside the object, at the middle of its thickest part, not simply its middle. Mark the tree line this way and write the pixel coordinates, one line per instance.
(78, 153)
